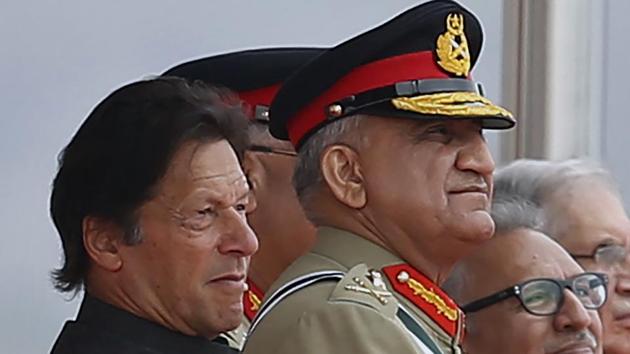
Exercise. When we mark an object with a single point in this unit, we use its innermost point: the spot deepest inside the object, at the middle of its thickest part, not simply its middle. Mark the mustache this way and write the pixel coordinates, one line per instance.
(584, 338)
(469, 182)
(233, 266)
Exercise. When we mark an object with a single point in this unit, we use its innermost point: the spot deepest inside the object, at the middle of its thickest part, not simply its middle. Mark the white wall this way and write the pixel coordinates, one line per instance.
(59, 58)
(615, 126)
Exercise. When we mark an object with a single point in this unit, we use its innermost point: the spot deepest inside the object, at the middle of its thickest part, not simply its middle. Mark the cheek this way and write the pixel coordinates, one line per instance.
(188, 261)
(531, 335)
(605, 313)
(502, 330)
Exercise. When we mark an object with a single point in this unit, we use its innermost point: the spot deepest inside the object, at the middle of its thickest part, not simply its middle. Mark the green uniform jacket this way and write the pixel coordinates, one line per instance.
(357, 312)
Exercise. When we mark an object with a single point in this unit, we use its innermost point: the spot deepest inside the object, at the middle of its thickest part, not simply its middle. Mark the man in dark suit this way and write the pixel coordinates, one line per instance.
(150, 203)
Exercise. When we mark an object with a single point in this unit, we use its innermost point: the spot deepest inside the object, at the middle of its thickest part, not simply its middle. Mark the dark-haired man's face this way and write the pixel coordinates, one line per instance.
(585, 216)
(431, 180)
(188, 273)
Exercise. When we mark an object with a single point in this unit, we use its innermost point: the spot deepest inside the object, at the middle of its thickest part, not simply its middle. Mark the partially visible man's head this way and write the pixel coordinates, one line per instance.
(585, 214)
(150, 204)
(405, 177)
(523, 293)
(278, 220)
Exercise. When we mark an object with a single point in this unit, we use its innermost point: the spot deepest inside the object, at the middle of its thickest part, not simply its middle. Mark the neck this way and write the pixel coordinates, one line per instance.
(422, 254)
(150, 308)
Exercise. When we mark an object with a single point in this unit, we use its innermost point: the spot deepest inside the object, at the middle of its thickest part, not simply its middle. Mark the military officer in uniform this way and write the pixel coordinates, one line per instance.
(283, 231)
(394, 171)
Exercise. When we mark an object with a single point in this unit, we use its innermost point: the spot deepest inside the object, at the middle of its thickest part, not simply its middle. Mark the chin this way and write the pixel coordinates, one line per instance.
(232, 323)
(476, 227)
(227, 320)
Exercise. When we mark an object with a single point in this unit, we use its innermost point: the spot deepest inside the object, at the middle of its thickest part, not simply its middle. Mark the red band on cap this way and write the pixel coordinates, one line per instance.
(385, 72)
(262, 96)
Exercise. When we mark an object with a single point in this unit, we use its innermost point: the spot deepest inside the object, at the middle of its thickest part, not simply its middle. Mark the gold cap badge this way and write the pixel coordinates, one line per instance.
(452, 47)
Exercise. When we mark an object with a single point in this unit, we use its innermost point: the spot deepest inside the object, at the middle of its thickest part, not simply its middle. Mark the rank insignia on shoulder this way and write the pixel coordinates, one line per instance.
(426, 295)
(378, 289)
(365, 286)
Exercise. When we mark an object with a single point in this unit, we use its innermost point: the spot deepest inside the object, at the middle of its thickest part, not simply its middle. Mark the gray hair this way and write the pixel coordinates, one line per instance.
(534, 180)
(308, 174)
(513, 212)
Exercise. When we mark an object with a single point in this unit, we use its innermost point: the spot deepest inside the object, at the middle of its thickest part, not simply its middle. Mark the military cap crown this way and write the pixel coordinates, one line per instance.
(255, 74)
(417, 65)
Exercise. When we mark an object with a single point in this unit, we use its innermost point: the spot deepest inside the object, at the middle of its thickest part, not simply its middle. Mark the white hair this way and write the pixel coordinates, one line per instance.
(534, 180)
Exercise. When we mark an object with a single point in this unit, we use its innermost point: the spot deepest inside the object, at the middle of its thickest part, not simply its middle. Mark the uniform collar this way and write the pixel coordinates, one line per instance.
(252, 300)
(342, 246)
(409, 283)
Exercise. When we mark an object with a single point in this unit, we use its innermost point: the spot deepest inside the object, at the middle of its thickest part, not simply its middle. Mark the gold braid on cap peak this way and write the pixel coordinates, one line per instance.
(465, 104)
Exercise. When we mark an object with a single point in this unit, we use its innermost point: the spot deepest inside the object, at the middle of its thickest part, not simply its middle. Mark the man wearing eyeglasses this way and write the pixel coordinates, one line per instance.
(522, 293)
(283, 231)
(584, 213)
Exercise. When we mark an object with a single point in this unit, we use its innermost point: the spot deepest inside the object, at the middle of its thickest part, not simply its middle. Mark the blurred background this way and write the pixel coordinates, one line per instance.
(560, 65)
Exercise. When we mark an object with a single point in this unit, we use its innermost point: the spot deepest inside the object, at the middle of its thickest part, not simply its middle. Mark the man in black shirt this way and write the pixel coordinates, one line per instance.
(150, 204)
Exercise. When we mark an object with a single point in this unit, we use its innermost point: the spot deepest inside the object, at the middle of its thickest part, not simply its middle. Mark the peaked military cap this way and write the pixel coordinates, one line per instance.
(417, 65)
(255, 74)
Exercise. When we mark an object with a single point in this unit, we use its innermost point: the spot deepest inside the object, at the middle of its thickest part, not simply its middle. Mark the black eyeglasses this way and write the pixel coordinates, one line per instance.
(545, 297)
(607, 255)
(268, 150)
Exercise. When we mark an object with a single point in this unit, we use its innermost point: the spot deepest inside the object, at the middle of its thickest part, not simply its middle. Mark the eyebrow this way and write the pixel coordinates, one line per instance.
(220, 199)
(220, 175)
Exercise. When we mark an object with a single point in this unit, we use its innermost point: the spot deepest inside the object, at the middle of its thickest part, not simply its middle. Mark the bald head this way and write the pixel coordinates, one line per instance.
(508, 258)
(583, 211)
(511, 258)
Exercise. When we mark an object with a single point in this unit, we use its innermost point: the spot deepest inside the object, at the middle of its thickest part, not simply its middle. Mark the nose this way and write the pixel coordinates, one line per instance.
(475, 156)
(237, 237)
(572, 315)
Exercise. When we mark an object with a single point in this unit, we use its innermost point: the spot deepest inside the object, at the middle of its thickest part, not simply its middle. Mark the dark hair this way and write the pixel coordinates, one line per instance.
(118, 155)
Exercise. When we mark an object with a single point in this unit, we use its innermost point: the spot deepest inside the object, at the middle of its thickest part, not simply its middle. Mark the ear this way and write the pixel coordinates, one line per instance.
(341, 170)
(254, 171)
(102, 240)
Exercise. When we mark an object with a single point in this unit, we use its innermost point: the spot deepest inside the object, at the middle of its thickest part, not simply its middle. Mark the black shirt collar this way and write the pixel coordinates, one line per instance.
(139, 331)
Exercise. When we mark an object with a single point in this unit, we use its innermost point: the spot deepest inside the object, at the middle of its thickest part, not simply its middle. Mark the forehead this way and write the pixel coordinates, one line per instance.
(403, 131)
(399, 123)
(586, 213)
(516, 256)
(213, 165)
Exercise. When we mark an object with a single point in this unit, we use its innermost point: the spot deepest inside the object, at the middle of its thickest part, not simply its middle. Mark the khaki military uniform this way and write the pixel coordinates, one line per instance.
(348, 295)
(251, 304)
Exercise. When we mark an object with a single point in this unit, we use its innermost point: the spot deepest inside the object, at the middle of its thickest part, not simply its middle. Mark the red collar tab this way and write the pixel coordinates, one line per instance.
(426, 295)
(252, 300)
(257, 98)
(380, 73)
